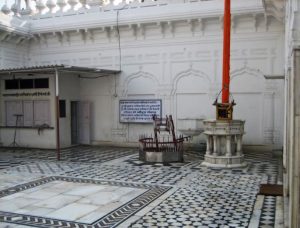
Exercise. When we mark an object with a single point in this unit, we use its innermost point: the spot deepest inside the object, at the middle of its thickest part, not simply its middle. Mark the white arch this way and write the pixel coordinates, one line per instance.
(139, 74)
(246, 70)
(187, 73)
(248, 80)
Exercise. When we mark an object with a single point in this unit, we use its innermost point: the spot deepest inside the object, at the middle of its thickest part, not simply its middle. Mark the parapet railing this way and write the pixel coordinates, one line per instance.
(41, 7)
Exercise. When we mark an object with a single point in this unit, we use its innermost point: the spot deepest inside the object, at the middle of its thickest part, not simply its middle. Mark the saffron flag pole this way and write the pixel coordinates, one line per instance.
(224, 147)
(226, 52)
(225, 108)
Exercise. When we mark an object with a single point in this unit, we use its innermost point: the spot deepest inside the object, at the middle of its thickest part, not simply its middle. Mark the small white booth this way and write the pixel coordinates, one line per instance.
(41, 106)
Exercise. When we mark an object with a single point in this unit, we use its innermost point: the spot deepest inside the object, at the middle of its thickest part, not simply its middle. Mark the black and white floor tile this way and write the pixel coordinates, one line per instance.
(267, 217)
(189, 157)
(44, 168)
(8, 163)
(204, 197)
(134, 161)
(228, 182)
(82, 154)
(144, 174)
(192, 207)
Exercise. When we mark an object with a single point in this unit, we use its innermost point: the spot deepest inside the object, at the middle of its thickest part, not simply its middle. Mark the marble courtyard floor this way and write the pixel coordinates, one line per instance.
(109, 187)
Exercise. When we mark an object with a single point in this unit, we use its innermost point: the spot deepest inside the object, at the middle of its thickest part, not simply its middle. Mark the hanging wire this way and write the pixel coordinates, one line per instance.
(219, 94)
(119, 47)
(119, 41)
(230, 94)
(119, 36)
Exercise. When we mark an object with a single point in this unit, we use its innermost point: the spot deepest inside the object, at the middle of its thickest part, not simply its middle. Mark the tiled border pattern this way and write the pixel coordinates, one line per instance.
(44, 168)
(267, 217)
(110, 220)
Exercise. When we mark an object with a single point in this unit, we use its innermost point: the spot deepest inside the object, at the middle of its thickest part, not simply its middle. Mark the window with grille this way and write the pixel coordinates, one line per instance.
(62, 108)
(31, 113)
(32, 83)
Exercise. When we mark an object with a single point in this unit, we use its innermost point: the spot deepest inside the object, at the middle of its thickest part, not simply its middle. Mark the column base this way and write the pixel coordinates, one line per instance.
(224, 161)
(161, 156)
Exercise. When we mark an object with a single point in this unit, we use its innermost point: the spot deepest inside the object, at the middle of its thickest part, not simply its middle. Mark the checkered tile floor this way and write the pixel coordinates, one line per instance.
(193, 207)
(7, 163)
(267, 217)
(148, 175)
(195, 196)
(81, 154)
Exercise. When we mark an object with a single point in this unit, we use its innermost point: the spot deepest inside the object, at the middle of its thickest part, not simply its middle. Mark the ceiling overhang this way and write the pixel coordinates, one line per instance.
(48, 69)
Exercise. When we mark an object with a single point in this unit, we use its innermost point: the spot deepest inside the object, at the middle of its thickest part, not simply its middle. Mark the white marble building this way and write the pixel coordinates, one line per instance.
(169, 50)
(166, 49)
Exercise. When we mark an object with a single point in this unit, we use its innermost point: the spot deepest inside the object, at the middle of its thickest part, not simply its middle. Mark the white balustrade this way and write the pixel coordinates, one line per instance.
(40, 6)
(83, 3)
(5, 9)
(15, 8)
(61, 4)
(50, 6)
(73, 3)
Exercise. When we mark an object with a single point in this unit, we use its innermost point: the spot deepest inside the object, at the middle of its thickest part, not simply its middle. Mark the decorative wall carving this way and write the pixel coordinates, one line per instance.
(191, 72)
(139, 75)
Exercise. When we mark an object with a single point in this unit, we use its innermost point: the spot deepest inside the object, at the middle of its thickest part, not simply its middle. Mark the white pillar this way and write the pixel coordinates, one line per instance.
(228, 145)
(239, 145)
(215, 142)
(208, 144)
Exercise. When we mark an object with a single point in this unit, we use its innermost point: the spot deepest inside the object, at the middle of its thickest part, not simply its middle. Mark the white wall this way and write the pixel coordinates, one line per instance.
(99, 93)
(184, 70)
(173, 52)
(12, 55)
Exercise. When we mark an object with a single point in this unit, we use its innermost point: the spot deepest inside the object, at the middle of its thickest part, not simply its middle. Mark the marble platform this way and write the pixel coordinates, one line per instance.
(78, 202)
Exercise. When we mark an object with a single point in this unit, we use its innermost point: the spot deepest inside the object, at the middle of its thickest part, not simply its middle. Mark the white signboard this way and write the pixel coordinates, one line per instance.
(139, 111)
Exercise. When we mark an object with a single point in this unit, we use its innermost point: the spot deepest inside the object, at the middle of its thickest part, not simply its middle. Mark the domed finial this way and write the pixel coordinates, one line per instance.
(84, 4)
(61, 4)
(5, 9)
(14, 8)
(73, 3)
(51, 5)
(40, 5)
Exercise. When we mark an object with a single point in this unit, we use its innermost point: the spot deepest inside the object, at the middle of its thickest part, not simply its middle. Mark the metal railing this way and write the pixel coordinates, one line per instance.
(164, 144)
